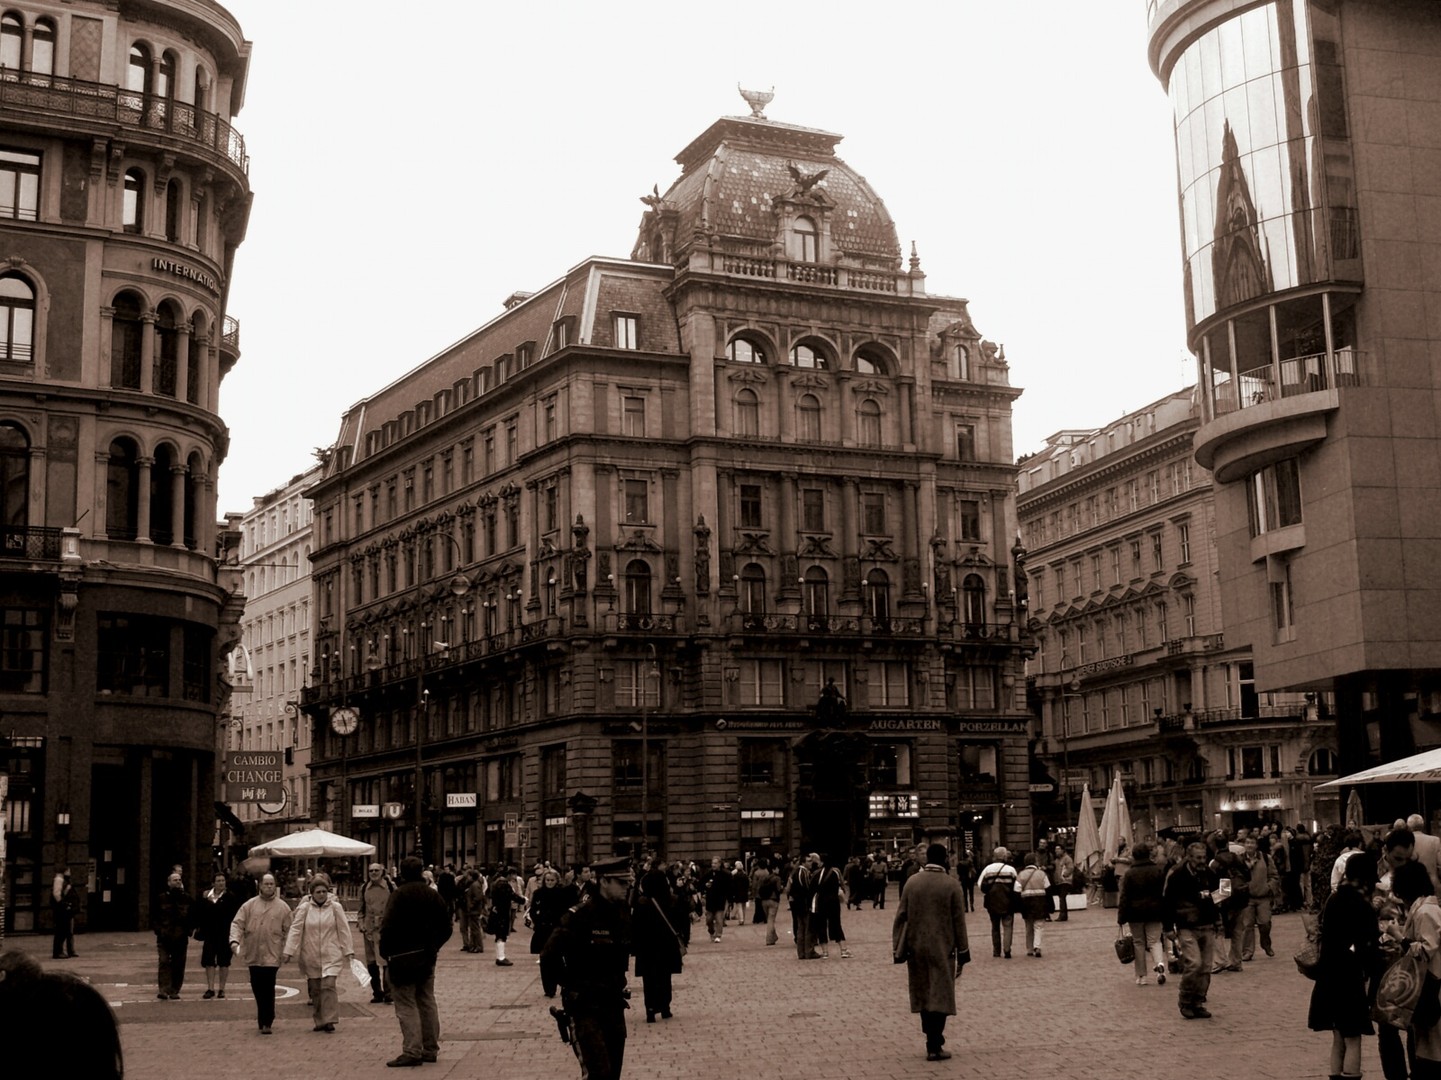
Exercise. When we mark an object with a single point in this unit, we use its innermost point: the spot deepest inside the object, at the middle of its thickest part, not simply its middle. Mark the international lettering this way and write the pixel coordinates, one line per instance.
(179, 269)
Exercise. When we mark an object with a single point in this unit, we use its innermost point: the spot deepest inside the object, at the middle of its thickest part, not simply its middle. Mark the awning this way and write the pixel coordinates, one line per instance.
(1423, 766)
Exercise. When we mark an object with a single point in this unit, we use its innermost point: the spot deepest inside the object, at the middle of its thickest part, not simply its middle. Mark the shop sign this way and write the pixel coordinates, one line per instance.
(394, 810)
(906, 724)
(184, 270)
(895, 804)
(254, 776)
(992, 727)
(365, 810)
(1042, 789)
(1103, 665)
(1259, 799)
(460, 799)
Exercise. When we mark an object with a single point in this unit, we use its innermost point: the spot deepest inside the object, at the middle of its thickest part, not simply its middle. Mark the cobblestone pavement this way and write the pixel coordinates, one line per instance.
(1075, 1012)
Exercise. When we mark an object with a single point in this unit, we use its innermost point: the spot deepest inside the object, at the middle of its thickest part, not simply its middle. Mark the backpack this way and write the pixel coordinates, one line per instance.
(1000, 896)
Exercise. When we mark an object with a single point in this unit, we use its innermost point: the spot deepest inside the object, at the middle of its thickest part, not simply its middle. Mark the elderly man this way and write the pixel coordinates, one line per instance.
(1190, 907)
(998, 886)
(257, 936)
(416, 924)
(374, 896)
(929, 937)
(1428, 849)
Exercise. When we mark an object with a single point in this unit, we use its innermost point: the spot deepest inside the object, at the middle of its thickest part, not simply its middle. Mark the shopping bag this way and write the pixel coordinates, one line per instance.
(361, 973)
(1400, 990)
(1126, 949)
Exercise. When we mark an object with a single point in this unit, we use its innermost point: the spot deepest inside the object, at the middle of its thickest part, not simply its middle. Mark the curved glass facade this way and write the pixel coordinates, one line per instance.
(1264, 157)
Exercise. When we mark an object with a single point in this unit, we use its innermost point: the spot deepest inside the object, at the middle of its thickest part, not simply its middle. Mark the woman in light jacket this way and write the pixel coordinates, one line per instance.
(319, 940)
(1411, 885)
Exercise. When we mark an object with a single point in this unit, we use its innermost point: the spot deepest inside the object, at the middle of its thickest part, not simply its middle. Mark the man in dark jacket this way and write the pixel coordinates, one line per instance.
(415, 926)
(172, 921)
(1190, 907)
(929, 937)
(1234, 893)
(717, 886)
(1141, 910)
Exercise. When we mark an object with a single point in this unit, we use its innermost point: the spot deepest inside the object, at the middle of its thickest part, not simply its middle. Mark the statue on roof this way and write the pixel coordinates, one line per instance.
(757, 100)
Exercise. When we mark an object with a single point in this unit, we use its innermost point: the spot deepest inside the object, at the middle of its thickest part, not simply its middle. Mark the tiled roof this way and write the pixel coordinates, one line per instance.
(737, 168)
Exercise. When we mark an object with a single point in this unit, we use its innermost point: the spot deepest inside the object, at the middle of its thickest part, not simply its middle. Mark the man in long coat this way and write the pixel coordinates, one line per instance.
(929, 937)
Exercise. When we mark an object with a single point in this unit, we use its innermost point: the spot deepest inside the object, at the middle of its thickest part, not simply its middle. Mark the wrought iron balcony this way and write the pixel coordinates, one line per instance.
(31, 543)
(57, 96)
(626, 622)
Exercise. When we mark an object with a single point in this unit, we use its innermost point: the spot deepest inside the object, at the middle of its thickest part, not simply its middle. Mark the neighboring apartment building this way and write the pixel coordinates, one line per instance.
(1306, 135)
(1134, 674)
(274, 557)
(708, 547)
(123, 197)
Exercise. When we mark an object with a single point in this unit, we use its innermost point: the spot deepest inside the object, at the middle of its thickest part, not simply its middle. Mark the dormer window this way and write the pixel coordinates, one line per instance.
(627, 332)
(806, 248)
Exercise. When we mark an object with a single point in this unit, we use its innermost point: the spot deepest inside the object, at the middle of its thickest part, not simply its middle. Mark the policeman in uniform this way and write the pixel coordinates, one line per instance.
(587, 956)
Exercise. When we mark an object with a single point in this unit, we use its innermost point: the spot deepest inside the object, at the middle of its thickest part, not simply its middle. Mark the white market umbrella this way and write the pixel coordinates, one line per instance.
(1088, 840)
(310, 843)
(1115, 824)
(1423, 766)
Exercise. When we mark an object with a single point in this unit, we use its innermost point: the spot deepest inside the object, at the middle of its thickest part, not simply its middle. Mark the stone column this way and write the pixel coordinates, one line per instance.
(142, 515)
(788, 587)
(147, 352)
(100, 525)
(182, 360)
(107, 334)
(783, 413)
(910, 538)
(177, 505)
(724, 541)
(906, 405)
(847, 407)
(850, 538)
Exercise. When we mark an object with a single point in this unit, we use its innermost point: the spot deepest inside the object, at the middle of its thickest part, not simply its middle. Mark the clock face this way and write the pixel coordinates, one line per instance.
(276, 807)
(344, 720)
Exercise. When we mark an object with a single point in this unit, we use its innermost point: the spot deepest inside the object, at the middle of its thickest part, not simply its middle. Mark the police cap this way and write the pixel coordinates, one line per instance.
(613, 868)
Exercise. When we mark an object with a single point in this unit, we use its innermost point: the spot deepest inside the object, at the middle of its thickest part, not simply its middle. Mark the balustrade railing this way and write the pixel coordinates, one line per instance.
(55, 95)
(29, 542)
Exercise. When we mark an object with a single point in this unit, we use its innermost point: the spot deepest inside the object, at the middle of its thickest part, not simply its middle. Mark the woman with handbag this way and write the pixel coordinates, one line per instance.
(1140, 909)
(548, 903)
(1349, 955)
(657, 947)
(319, 938)
(1411, 885)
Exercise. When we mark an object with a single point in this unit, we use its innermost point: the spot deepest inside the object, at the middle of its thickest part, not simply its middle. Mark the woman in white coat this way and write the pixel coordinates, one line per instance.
(319, 940)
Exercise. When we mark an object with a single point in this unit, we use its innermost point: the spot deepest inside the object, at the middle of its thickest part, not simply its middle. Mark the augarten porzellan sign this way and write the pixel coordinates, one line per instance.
(254, 776)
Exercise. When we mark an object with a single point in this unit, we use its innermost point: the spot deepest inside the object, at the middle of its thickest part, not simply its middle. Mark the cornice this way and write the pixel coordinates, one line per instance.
(1065, 487)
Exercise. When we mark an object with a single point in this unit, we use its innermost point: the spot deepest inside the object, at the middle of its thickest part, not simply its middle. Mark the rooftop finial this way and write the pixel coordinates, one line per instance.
(915, 258)
(757, 100)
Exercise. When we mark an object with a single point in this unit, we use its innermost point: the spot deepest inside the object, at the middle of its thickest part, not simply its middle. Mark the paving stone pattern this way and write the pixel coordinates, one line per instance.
(1074, 1013)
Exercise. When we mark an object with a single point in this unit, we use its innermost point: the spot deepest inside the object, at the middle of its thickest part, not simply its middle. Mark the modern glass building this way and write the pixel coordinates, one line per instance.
(1308, 148)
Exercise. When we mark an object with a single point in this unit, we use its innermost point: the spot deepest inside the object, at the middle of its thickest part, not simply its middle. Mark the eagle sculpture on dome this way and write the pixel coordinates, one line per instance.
(804, 183)
(655, 200)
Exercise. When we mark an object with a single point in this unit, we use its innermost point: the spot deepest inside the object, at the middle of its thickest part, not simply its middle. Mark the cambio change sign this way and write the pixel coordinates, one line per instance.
(254, 776)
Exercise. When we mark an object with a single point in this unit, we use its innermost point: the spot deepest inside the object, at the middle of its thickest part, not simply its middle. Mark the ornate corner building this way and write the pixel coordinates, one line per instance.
(123, 197)
(708, 549)
(1306, 141)
(1134, 675)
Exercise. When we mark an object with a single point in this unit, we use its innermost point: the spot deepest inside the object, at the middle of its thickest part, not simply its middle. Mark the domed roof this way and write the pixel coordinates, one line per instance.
(741, 171)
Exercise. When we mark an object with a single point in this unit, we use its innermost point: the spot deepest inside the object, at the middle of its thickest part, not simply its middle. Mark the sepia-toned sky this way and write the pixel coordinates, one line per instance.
(413, 166)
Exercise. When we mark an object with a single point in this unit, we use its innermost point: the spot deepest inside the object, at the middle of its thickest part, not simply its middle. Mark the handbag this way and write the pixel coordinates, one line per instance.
(1126, 949)
(1308, 959)
(1400, 990)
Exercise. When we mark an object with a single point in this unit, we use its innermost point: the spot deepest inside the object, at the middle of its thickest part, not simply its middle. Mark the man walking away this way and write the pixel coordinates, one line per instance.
(257, 936)
(998, 886)
(768, 896)
(929, 937)
(416, 924)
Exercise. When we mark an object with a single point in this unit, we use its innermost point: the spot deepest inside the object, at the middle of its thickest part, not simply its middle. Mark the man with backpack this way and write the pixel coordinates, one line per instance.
(1234, 896)
(998, 886)
(1256, 917)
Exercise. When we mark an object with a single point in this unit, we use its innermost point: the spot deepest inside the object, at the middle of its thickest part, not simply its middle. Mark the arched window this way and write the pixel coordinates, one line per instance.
(12, 37)
(172, 211)
(973, 600)
(162, 491)
(167, 351)
(17, 320)
(752, 598)
(122, 491)
(816, 593)
(804, 248)
(552, 583)
(808, 356)
(870, 361)
(743, 350)
(42, 48)
(199, 349)
(747, 413)
(878, 594)
(960, 362)
(202, 217)
(202, 93)
(132, 212)
(808, 418)
(137, 73)
(869, 428)
(125, 342)
(1322, 763)
(165, 77)
(637, 587)
(14, 477)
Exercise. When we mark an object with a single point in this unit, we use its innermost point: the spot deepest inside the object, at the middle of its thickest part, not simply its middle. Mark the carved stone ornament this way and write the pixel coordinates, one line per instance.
(748, 375)
(809, 380)
(870, 386)
(639, 541)
(754, 543)
(818, 546)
